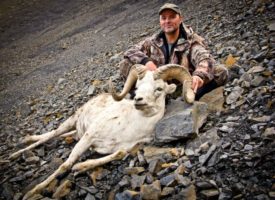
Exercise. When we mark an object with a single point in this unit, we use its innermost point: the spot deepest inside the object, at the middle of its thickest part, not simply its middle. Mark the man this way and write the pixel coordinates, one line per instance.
(177, 44)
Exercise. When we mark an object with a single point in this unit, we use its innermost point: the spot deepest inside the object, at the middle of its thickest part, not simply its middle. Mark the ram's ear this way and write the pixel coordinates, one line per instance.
(170, 88)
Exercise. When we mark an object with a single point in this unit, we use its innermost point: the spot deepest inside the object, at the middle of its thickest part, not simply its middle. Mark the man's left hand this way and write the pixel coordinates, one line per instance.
(197, 83)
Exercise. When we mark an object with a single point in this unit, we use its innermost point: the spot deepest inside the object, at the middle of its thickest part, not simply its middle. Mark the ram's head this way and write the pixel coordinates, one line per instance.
(152, 86)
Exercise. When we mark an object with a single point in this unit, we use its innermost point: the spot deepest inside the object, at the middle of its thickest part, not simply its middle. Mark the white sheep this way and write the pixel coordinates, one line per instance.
(112, 124)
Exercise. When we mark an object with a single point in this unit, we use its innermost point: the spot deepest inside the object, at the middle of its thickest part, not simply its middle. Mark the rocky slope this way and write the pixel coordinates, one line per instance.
(67, 59)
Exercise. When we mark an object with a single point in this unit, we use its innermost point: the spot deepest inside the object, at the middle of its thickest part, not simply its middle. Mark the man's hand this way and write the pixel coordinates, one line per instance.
(151, 66)
(197, 82)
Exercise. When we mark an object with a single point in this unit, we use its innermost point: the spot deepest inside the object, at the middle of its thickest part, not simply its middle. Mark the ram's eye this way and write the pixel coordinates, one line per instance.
(159, 89)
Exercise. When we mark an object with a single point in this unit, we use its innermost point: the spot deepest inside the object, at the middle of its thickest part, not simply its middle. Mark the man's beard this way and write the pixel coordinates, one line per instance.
(171, 32)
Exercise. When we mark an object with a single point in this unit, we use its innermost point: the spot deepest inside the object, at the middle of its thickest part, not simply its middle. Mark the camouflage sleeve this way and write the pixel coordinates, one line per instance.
(202, 59)
(139, 53)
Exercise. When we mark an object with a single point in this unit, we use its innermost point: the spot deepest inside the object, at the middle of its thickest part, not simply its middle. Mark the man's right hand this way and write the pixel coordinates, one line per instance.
(151, 66)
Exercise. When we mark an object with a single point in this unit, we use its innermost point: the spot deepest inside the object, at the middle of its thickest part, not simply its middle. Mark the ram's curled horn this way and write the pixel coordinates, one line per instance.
(137, 72)
(174, 71)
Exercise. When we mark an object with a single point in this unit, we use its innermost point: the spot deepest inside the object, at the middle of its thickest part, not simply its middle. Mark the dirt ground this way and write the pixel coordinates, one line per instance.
(42, 40)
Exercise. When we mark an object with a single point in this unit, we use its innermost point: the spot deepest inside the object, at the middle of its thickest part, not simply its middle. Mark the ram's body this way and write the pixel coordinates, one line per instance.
(111, 126)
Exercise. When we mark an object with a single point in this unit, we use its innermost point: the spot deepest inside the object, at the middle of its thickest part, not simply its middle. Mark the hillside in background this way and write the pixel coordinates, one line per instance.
(55, 55)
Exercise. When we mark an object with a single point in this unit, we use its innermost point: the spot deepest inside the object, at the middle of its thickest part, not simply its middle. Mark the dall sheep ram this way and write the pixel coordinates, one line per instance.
(112, 124)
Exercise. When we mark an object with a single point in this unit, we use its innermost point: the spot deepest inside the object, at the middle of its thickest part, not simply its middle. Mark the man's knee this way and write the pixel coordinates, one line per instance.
(221, 75)
(124, 67)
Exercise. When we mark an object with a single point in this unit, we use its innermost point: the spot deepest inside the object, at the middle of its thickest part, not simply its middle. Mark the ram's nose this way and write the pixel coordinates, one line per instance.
(138, 99)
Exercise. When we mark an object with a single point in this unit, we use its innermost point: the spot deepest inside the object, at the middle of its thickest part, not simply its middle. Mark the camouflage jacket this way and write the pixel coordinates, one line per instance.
(188, 51)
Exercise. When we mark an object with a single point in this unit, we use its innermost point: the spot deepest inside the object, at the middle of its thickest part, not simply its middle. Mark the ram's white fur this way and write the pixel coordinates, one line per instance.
(108, 126)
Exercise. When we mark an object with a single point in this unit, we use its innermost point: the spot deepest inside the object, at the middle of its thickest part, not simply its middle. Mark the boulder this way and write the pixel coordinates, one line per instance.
(181, 121)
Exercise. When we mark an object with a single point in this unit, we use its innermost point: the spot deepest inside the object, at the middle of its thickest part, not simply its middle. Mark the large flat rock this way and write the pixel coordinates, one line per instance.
(181, 121)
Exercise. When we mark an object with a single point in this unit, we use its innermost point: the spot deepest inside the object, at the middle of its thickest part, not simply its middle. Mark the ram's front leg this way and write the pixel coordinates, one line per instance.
(66, 126)
(82, 146)
(92, 163)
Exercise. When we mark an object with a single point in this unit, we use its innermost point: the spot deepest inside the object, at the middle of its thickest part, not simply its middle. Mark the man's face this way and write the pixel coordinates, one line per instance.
(169, 21)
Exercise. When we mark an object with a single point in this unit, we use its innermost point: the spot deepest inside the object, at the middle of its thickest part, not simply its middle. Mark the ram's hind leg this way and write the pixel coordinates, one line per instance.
(83, 145)
(90, 164)
(66, 126)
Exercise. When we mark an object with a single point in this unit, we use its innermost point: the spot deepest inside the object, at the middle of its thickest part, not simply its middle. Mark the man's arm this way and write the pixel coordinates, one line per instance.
(203, 62)
(139, 53)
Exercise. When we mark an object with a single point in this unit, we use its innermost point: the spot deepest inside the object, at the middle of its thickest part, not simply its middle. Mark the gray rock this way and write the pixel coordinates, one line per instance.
(182, 180)
(125, 181)
(90, 197)
(210, 193)
(181, 121)
(234, 95)
(271, 27)
(257, 81)
(169, 180)
(188, 164)
(204, 158)
(248, 147)
(61, 81)
(91, 90)
(137, 181)
(128, 195)
(154, 166)
(189, 152)
(141, 158)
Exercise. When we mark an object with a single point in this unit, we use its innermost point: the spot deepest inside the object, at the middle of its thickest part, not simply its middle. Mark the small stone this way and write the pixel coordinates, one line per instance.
(125, 181)
(234, 95)
(210, 193)
(149, 178)
(154, 166)
(133, 170)
(141, 158)
(256, 69)
(257, 81)
(269, 133)
(129, 195)
(181, 169)
(188, 193)
(182, 180)
(226, 129)
(271, 27)
(168, 180)
(214, 99)
(188, 164)
(32, 160)
(137, 181)
(271, 194)
(91, 90)
(61, 81)
(248, 147)
(204, 158)
(204, 147)
(167, 191)
(203, 185)
(153, 153)
(90, 197)
(152, 191)
(189, 152)
(261, 119)
(69, 140)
